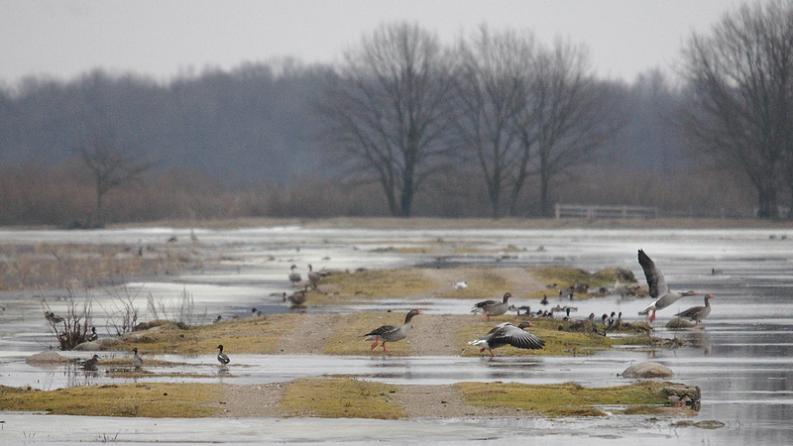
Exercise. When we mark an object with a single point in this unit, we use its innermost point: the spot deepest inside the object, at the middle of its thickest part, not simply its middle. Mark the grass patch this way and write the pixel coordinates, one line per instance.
(482, 282)
(564, 277)
(340, 398)
(402, 282)
(347, 335)
(253, 335)
(556, 400)
(129, 400)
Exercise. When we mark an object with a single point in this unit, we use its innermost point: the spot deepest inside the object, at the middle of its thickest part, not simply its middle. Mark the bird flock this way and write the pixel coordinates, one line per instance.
(502, 334)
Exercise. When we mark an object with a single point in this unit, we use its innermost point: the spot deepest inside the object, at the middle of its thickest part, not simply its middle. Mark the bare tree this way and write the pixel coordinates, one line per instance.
(110, 167)
(741, 79)
(491, 91)
(568, 117)
(388, 109)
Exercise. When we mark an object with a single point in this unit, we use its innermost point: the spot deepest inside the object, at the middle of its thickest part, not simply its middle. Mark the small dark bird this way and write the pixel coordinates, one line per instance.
(93, 336)
(223, 359)
(91, 363)
(544, 300)
(52, 317)
(217, 319)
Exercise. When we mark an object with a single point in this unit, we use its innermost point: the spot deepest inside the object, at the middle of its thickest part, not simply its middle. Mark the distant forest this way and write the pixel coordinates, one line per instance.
(253, 141)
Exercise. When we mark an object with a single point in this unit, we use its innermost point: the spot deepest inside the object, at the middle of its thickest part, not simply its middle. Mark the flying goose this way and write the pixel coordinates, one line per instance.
(294, 276)
(697, 313)
(664, 296)
(137, 361)
(223, 359)
(389, 333)
(492, 307)
(507, 334)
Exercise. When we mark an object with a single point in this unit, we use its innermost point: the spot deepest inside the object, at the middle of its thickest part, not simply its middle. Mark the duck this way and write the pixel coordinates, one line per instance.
(389, 333)
(217, 319)
(223, 359)
(93, 336)
(91, 363)
(544, 300)
(507, 334)
(294, 276)
(137, 361)
(697, 313)
(52, 317)
(663, 295)
(492, 307)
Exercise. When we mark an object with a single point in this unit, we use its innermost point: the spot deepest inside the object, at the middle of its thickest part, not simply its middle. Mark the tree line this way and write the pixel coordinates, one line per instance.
(498, 121)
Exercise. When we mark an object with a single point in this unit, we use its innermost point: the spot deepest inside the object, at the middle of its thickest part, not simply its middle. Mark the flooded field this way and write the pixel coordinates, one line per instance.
(742, 359)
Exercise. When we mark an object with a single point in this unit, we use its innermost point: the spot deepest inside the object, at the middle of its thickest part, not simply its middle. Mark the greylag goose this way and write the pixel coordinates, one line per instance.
(507, 334)
(313, 277)
(91, 363)
(93, 336)
(389, 333)
(297, 298)
(492, 307)
(137, 361)
(664, 296)
(294, 276)
(223, 359)
(697, 313)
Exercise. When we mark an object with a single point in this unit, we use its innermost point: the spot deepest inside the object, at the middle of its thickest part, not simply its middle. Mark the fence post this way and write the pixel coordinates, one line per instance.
(557, 211)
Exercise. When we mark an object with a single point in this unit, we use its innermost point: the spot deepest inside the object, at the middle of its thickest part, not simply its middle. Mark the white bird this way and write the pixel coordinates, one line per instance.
(461, 285)
(664, 296)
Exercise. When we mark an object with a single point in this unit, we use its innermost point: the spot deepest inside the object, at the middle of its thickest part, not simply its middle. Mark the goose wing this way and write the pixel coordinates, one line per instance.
(516, 337)
(655, 280)
(382, 330)
(485, 303)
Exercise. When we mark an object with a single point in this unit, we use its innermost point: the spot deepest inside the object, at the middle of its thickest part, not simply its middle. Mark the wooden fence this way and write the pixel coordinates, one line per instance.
(597, 211)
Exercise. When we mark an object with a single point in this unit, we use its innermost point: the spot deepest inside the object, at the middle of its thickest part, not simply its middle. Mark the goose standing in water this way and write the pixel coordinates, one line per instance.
(664, 296)
(507, 334)
(493, 307)
(294, 276)
(697, 313)
(389, 333)
(223, 359)
(91, 363)
(137, 361)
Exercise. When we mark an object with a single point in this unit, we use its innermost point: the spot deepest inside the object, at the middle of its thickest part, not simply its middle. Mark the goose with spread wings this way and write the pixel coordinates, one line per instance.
(659, 290)
(507, 334)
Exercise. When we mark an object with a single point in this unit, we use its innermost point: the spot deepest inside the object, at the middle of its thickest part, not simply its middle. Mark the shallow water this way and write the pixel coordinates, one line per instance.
(742, 359)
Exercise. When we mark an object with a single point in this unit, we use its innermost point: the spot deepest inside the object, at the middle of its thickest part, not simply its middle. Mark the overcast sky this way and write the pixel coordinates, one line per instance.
(163, 38)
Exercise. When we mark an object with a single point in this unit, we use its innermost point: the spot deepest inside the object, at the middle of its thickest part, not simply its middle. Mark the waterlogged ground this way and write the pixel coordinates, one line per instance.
(742, 359)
